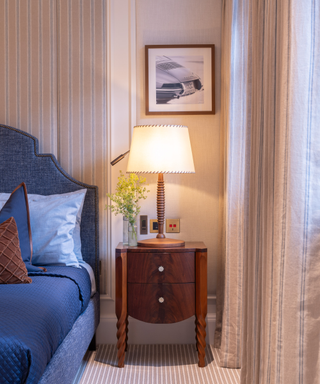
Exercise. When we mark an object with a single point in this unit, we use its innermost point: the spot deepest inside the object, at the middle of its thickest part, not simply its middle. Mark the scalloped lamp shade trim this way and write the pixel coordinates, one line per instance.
(160, 149)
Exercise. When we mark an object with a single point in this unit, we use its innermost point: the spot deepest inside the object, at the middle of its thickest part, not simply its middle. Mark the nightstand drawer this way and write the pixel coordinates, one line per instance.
(164, 267)
(161, 303)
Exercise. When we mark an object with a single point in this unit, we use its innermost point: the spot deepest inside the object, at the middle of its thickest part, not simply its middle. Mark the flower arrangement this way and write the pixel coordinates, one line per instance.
(126, 198)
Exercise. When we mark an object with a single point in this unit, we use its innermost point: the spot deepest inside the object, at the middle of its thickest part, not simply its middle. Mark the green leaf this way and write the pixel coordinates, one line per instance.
(126, 198)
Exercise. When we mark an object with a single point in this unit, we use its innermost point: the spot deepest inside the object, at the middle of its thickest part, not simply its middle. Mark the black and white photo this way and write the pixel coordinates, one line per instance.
(180, 79)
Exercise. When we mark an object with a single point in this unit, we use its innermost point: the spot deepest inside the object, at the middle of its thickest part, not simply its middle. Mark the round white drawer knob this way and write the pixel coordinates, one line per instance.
(161, 269)
(161, 300)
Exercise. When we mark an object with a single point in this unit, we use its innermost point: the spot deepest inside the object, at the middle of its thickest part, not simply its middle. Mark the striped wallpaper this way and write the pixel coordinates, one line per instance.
(53, 82)
(28, 75)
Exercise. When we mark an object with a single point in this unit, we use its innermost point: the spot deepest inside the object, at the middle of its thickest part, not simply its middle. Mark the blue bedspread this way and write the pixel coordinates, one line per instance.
(35, 318)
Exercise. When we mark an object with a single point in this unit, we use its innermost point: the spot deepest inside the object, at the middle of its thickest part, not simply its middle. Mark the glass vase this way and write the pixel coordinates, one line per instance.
(125, 237)
(132, 234)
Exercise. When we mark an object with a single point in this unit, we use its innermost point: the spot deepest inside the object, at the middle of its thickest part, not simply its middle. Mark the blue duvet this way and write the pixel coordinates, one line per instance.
(36, 317)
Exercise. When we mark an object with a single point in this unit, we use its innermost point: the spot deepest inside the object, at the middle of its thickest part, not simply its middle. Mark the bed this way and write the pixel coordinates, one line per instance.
(47, 325)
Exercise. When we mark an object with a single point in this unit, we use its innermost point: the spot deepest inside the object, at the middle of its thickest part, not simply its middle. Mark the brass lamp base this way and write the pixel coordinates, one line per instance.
(161, 243)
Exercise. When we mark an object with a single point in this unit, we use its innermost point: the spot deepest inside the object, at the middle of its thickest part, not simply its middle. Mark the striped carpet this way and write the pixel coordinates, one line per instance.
(154, 364)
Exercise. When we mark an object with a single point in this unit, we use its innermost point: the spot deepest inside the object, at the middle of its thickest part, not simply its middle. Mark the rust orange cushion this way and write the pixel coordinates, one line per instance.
(12, 267)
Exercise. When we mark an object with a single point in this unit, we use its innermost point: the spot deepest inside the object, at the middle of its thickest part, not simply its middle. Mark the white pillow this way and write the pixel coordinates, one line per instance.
(55, 226)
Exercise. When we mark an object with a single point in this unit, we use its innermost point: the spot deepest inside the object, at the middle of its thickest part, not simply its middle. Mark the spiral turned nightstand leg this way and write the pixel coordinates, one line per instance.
(122, 337)
(201, 305)
(201, 340)
(121, 304)
(127, 330)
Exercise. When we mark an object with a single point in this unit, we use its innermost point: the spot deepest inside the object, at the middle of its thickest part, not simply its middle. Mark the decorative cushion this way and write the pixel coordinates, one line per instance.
(55, 224)
(17, 206)
(12, 267)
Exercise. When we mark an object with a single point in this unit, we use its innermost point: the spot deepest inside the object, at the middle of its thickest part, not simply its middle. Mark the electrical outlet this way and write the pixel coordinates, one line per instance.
(153, 226)
(143, 224)
(173, 225)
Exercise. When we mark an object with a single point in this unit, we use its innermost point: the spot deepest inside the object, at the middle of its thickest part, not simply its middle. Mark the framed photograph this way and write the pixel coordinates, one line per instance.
(179, 79)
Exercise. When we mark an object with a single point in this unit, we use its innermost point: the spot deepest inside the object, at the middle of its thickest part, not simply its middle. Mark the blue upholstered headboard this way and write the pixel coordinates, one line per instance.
(20, 161)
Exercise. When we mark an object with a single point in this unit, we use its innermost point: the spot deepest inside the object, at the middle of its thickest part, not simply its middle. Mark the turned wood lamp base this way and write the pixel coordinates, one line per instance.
(161, 241)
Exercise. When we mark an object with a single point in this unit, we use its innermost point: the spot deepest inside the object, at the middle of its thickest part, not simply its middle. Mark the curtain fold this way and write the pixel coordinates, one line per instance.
(234, 160)
(271, 192)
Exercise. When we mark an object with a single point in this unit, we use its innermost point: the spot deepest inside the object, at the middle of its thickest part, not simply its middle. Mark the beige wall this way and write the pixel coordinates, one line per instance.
(192, 198)
(72, 74)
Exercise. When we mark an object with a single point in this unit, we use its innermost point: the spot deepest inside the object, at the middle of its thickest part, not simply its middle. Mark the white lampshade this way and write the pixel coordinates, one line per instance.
(160, 149)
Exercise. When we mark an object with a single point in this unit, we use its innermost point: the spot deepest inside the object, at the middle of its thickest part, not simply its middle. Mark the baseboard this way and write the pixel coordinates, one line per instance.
(144, 333)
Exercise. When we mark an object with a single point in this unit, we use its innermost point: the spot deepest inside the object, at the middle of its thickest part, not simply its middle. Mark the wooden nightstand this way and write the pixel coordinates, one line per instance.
(161, 286)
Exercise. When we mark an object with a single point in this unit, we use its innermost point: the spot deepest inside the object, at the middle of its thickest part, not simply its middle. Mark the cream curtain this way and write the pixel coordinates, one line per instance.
(235, 141)
(268, 306)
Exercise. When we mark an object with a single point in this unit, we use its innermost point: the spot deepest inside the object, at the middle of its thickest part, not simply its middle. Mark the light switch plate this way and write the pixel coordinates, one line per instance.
(153, 226)
(172, 225)
(143, 224)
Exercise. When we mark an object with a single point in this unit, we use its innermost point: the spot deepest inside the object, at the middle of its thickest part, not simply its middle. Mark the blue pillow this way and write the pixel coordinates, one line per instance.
(17, 207)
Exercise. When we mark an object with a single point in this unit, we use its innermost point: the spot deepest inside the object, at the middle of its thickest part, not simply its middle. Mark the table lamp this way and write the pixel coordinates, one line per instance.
(160, 149)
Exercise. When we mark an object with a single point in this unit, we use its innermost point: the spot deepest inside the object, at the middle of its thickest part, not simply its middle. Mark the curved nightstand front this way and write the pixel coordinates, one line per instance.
(161, 286)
